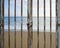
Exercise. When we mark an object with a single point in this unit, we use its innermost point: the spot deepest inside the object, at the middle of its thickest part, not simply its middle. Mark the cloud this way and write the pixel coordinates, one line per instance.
(41, 7)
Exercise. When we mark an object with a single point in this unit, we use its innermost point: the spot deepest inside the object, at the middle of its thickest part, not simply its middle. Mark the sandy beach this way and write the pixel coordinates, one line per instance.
(25, 35)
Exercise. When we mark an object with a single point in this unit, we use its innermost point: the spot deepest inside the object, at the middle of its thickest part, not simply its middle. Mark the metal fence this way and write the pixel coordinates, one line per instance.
(29, 23)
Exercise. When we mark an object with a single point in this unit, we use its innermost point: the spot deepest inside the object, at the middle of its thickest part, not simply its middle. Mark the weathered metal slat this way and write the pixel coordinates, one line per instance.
(37, 23)
(2, 28)
(21, 21)
(29, 24)
(8, 23)
(56, 16)
(57, 34)
(44, 26)
(0, 23)
(15, 23)
(50, 25)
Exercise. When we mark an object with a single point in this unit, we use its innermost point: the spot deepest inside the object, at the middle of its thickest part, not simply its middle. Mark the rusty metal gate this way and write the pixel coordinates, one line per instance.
(29, 23)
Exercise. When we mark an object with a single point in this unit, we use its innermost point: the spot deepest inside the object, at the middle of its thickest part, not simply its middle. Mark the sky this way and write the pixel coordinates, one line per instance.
(34, 9)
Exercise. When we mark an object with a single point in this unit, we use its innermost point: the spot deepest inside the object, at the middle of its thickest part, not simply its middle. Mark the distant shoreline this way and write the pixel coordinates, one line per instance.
(24, 31)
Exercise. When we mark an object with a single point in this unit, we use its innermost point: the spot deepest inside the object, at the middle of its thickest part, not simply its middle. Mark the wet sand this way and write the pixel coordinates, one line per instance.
(25, 35)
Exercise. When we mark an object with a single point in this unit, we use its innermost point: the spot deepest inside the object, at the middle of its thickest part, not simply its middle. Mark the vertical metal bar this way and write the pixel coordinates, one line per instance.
(56, 15)
(0, 23)
(29, 24)
(2, 28)
(0, 19)
(15, 22)
(38, 23)
(50, 26)
(44, 27)
(57, 36)
(8, 23)
(21, 20)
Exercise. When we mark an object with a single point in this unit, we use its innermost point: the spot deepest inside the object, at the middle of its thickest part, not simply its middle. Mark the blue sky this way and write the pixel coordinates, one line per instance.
(41, 8)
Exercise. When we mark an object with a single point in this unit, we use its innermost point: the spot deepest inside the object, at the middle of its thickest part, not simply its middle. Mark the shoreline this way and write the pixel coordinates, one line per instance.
(25, 31)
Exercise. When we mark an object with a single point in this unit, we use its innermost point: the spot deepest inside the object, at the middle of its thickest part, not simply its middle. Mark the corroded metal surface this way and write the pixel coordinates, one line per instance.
(21, 21)
(44, 26)
(50, 25)
(2, 23)
(15, 23)
(57, 24)
(8, 23)
(29, 24)
(37, 23)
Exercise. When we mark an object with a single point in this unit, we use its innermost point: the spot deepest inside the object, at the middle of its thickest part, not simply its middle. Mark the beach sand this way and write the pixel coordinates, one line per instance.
(25, 35)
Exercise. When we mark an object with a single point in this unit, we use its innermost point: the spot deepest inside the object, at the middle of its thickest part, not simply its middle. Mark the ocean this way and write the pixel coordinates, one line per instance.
(18, 23)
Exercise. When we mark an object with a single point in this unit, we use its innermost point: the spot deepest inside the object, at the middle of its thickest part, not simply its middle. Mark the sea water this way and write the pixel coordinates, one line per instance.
(18, 23)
